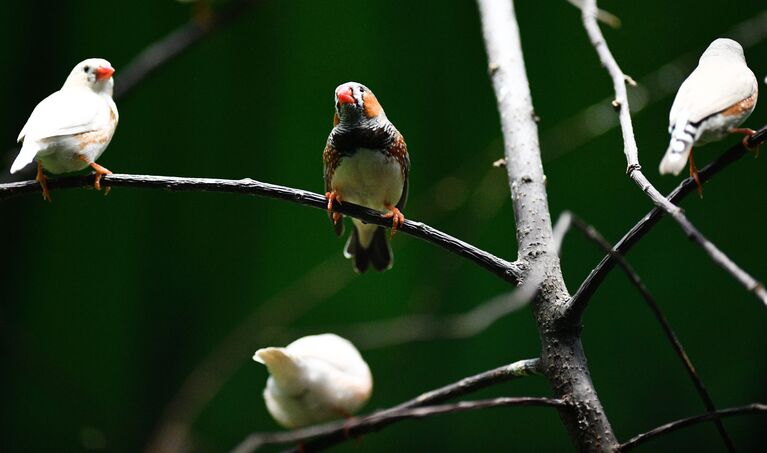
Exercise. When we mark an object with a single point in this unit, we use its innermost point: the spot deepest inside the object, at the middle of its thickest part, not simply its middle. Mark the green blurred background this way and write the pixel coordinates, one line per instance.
(109, 304)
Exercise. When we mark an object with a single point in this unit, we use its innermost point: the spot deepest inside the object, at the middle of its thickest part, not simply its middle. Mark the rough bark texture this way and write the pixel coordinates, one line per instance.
(562, 355)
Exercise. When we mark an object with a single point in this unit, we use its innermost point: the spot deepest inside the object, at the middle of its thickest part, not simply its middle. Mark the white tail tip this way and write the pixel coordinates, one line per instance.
(676, 158)
(26, 155)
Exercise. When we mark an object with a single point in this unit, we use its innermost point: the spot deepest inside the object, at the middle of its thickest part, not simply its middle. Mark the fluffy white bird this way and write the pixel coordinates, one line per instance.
(712, 102)
(314, 379)
(72, 127)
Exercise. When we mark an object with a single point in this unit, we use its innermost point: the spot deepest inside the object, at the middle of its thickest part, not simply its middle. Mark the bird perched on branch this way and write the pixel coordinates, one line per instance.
(314, 379)
(366, 163)
(72, 127)
(711, 103)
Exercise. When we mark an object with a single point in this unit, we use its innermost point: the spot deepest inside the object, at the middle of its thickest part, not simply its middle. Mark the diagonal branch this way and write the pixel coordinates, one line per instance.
(166, 49)
(327, 435)
(755, 408)
(423, 327)
(508, 271)
(581, 297)
(591, 233)
(573, 310)
(357, 426)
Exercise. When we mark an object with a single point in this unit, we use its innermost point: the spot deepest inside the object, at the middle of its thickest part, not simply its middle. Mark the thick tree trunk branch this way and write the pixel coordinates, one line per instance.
(591, 233)
(324, 436)
(755, 408)
(563, 359)
(508, 271)
(597, 275)
(634, 170)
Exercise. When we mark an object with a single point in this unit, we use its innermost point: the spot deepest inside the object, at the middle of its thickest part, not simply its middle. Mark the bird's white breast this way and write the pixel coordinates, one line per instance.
(369, 178)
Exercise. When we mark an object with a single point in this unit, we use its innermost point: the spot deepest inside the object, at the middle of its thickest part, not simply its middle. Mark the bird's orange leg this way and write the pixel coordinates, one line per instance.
(397, 218)
(333, 197)
(694, 174)
(748, 133)
(100, 171)
(40, 178)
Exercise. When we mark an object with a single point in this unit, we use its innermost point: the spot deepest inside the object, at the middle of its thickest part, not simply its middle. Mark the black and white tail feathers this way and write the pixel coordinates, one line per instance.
(378, 252)
(683, 136)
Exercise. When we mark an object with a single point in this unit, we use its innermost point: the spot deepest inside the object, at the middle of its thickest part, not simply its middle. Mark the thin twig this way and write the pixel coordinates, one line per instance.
(174, 44)
(581, 297)
(599, 118)
(508, 271)
(463, 387)
(354, 426)
(590, 232)
(326, 435)
(634, 169)
(755, 408)
(270, 320)
(423, 327)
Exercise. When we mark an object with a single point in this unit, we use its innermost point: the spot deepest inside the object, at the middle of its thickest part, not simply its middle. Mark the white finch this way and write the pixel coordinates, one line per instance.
(70, 129)
(314, 379)
(712, 102)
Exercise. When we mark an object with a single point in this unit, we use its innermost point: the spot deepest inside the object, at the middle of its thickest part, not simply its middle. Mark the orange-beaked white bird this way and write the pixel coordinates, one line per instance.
(711, 103)
(366, 163)
(314, 379)
(72, 127)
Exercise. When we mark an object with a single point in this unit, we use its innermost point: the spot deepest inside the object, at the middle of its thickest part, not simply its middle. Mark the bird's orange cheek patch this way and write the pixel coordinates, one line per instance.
(336, 119)
(372, 107)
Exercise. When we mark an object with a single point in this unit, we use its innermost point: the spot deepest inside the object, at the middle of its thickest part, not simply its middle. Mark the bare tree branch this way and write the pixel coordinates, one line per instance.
(755, 408)
(634, 169)
(590, 232)
(500, 267)
(643, 226)
(563, 358)
(599, 118)
(161, 52)
(406, 329)
(327, 435)
(356, 426)
(270, 321)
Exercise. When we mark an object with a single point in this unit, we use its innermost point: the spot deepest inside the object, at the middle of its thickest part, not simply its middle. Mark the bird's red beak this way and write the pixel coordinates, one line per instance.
(104, 72)
(344, 95)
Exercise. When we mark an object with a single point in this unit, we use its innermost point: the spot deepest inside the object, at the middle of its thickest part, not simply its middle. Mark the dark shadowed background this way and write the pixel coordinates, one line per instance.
(108, 304)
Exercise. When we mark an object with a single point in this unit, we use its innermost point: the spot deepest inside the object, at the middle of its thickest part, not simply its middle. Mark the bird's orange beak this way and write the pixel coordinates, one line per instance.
(104, 72)
(344, 95)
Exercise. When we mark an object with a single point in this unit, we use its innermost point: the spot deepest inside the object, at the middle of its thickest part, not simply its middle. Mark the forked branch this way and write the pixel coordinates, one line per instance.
(634, 170)
(320, 437)
(589, 286)
(591, 233)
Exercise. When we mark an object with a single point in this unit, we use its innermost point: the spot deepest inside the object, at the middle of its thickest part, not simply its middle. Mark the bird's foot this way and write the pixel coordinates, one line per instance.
(43, 181)
(100, 171)
(747, 135)
(694, 175)
(397, 218)
(333, 197)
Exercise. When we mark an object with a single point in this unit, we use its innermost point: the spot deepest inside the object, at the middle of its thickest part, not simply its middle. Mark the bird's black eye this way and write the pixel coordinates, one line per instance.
(87, 69)
(362, 89)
